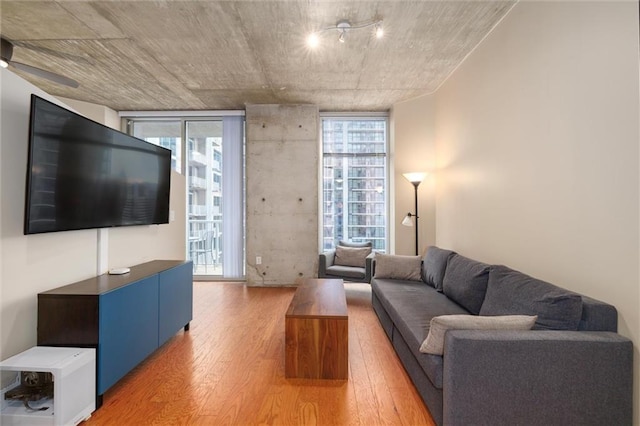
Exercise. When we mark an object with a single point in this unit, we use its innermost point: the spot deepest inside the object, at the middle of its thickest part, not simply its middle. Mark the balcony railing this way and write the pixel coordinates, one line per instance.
(197, 182)
(197, 157)
(197, 210)
(205, 246)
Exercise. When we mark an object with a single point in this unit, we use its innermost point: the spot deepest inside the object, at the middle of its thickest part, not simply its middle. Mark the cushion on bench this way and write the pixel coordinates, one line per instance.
(345, 271)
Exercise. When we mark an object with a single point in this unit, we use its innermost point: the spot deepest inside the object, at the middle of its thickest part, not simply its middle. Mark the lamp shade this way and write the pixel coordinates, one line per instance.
(416, 177)
(407, 220)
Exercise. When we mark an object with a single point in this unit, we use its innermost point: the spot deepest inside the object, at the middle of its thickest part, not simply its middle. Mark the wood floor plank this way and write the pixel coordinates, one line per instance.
(229, 369)
(279, 407)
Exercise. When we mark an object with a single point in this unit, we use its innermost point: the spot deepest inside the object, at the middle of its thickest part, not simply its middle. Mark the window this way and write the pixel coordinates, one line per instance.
(354, 181)
(167, 134)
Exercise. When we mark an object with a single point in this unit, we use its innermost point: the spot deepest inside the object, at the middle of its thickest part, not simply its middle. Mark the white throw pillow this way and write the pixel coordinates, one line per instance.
(398, 267)
(434, 343)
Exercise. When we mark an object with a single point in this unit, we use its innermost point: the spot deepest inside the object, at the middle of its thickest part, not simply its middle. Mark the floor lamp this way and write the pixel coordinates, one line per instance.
(415, 179)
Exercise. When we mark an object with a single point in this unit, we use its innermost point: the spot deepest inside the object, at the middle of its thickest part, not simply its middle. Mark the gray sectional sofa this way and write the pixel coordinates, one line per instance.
(572, 368)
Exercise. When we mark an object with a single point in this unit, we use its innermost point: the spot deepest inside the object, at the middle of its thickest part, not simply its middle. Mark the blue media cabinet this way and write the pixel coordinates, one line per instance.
(125, 317)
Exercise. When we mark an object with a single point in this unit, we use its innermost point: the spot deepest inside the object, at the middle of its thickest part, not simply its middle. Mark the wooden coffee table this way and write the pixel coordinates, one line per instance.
(317, 331)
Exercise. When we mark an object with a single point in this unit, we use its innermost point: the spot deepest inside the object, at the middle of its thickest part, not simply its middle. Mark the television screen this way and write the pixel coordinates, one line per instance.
(81, 174)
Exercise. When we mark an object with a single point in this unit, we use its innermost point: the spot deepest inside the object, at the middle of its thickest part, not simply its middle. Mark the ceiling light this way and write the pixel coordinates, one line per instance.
(313, 40)
(343, 26)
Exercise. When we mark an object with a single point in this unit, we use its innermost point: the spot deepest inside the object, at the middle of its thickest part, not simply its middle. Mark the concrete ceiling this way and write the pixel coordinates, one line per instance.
(194, 55)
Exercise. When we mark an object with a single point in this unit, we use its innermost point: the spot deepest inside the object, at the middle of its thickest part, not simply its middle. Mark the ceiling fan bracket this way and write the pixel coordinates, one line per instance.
(6, 53)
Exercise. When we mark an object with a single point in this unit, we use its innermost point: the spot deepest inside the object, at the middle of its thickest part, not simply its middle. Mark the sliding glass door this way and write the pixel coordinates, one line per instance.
(204, 189)
(213, 164)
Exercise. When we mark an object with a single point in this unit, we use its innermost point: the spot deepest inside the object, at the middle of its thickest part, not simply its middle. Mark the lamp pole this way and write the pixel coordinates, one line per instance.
(415, 179)
(415, 189)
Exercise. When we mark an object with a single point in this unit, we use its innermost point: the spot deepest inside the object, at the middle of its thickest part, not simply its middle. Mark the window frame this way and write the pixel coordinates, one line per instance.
(355, 116)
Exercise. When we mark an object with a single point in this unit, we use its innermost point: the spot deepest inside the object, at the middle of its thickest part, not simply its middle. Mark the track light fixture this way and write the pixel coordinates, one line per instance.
(343, 27)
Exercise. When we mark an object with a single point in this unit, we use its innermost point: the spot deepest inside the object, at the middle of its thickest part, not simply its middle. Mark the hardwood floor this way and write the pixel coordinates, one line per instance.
(229, 370)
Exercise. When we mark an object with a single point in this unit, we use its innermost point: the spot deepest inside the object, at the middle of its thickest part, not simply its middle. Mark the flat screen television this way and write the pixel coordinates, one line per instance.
(83, 175)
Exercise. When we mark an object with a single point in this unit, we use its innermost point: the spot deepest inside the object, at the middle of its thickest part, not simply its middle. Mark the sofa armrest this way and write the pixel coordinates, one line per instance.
(325, 260)
(537, 377)
(369, 265)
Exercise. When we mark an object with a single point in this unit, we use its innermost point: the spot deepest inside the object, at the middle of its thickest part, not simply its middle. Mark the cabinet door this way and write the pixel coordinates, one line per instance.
(175, 300)
(128, 329)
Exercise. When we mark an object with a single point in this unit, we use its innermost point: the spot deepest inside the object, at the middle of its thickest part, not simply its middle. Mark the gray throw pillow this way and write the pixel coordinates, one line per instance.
(398, 267)
(465, 282)
(434, 343)
(512, 292)
(434, 266)
(351, 256)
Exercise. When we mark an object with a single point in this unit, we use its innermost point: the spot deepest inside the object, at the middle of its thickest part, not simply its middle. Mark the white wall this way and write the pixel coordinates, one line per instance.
(538, 152)
(35, 263)
(99, 113)
(413, 150)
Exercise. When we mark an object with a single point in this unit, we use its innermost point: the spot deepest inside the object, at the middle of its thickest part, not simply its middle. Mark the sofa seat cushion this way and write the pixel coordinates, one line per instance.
(346, 271)
(411, 305)
(510, 292)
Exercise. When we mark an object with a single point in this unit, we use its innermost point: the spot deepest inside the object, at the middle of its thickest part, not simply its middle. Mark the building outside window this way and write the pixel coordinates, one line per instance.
(354, 181)
(165, 133)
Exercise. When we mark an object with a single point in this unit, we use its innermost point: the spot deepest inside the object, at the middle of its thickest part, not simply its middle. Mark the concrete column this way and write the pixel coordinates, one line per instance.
(282, 193)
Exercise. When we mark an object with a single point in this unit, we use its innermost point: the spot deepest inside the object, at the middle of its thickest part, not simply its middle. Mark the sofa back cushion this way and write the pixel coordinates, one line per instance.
(434, 266)
(598, 316)
(511, 292)
(465, 282)
(351, 256)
